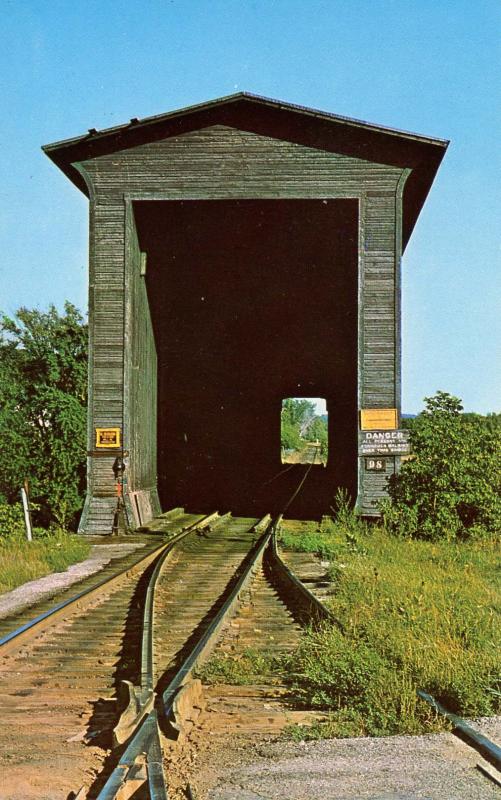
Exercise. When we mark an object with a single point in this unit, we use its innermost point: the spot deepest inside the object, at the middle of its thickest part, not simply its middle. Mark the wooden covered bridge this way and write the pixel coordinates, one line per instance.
(242, 251)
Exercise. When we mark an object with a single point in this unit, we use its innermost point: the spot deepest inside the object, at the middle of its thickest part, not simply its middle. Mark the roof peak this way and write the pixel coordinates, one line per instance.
(137, 122)
(264, 116)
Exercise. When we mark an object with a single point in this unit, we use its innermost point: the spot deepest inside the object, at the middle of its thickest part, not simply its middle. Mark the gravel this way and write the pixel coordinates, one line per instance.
(433, 767)
(32, 592)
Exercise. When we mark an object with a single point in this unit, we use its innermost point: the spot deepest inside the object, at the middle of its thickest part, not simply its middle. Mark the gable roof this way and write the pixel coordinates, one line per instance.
(264, 116)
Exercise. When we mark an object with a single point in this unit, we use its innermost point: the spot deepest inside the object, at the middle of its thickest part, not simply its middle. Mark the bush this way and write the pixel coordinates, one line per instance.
(343, 532)
(450, 487)
(358, 685)
(244, 669)
(11, 520)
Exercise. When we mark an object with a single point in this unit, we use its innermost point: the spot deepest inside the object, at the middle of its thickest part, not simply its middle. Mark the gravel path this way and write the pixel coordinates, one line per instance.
(433, 767)
(30, 593)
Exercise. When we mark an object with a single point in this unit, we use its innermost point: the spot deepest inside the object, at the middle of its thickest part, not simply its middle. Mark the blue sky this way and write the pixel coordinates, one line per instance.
(429, 66)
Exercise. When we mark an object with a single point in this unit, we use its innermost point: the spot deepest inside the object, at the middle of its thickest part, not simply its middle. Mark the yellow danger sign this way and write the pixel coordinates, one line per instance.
(382, 419)
(107, 437)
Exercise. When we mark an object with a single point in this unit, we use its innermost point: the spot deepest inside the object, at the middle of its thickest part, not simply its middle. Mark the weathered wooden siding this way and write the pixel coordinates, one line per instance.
(223, 162)
(140, 391)
(377, 321)
(106, 359)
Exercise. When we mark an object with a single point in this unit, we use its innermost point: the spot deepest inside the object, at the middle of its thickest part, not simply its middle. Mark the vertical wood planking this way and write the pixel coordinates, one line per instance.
(140, 389)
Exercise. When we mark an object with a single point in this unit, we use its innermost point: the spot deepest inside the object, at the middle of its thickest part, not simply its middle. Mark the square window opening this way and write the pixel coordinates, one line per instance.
(304, 431)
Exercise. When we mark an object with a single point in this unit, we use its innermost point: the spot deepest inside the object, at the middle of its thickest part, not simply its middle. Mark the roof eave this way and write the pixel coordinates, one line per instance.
(306, 126)
(232, 98)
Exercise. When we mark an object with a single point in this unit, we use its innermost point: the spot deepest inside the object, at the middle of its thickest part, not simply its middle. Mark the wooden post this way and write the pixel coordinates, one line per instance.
(27, 514)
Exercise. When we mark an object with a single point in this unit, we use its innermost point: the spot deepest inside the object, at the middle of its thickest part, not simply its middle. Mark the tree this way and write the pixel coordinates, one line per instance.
(450, 488)
(297, 415)
(43, 398)
(317, 432)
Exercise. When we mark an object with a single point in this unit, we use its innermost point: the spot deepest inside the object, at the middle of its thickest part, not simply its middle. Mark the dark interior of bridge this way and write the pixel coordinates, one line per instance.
(252, 301)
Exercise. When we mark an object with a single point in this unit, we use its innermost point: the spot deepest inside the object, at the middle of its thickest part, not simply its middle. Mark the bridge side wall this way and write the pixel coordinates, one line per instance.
(140, 385)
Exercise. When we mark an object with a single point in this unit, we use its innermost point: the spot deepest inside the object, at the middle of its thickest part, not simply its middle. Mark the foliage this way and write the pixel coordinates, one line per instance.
(450, 487)
(43, 387)
(309, 542)
(300, 424)
(295, 416)
(299, 411)
(290, 438)
(11, 520)
(343, 532)
(248, 668)
(317, 432)
(416, 614)
(22, 561)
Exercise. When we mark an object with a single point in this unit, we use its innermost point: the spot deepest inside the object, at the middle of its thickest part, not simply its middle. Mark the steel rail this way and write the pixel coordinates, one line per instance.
(141, 762)
(144, 741)
(314, 607)
(487, 748)
(300, 485)
(17, 637)
(148, 617)
(206, 641)
(135, 702)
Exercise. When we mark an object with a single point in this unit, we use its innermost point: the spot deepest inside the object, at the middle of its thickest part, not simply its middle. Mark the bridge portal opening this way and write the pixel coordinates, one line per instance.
(247, 297)
(304, 431)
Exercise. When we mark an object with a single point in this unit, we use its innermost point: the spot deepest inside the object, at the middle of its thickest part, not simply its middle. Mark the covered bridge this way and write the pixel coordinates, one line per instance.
(241, 251)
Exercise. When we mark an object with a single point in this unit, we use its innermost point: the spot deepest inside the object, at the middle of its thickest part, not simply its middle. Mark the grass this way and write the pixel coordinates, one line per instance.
(243, 670)
(309, 541)
(22, 561)
(417, 614)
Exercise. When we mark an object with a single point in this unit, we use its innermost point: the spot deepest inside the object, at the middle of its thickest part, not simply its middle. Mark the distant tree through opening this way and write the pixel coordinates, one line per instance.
(304, 430)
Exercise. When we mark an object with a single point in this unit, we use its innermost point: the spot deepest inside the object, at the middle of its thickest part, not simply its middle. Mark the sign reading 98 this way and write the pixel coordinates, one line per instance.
(375, 464)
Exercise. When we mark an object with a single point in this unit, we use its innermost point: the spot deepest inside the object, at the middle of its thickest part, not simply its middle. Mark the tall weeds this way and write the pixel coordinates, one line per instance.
(416, 614)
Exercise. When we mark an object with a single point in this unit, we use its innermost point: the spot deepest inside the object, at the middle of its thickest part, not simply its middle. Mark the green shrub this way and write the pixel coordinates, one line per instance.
(311, 542)
(242, 670)
(343, 532)
(318, 432)
(11, 520)
(451, 487)
(361, 689)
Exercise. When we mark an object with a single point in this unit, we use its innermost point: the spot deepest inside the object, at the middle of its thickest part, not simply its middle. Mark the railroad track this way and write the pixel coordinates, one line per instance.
(133, 640)
(243, 713)
(309, 454)
(135, 547)
(60, 672)
(95, 693)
